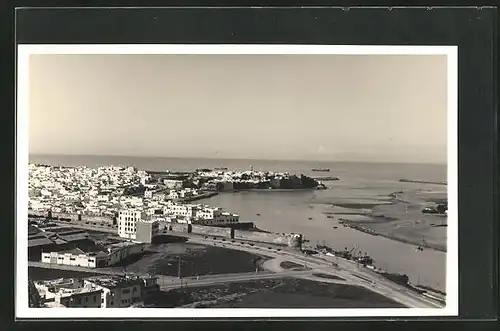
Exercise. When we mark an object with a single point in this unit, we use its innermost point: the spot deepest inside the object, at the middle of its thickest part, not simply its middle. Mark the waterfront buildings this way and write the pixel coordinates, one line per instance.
(118, 198)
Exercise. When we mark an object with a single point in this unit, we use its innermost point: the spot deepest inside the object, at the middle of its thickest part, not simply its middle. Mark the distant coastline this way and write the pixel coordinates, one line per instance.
(423, 181)
(306, 161)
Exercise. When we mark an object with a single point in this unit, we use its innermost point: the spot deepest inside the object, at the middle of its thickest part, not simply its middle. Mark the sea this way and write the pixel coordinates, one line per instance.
(304, 211)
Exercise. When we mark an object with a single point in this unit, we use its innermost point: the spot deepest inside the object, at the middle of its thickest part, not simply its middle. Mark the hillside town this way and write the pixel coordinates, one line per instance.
(133, 207)
(105, 191)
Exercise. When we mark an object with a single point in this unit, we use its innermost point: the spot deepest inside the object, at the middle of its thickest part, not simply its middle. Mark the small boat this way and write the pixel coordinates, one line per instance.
(221, 168)
(321, 170)
(310, 218)
(335, 227)
(258, 214)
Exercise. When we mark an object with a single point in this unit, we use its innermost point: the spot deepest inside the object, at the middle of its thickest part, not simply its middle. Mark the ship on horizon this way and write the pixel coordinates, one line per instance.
(321, 170)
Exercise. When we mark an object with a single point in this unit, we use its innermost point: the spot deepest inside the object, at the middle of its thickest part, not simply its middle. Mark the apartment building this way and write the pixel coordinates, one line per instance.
(127, 222)
(69, 293)
(117, 292)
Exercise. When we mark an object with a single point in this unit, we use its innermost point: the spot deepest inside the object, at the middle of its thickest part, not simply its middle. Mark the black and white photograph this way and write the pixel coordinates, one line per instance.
(236, 181)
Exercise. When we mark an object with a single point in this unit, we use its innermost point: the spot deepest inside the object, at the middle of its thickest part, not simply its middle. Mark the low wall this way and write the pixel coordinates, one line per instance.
(211, 231)
(176, 227)
(73, 217)
(271, 238)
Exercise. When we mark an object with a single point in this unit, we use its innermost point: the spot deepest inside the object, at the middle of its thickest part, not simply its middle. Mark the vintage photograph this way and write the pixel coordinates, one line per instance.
(256, 179)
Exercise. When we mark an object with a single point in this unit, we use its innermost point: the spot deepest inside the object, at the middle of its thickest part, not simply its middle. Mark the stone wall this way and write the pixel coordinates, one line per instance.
(176, 227)
(211, 231)
(74, 217)
(283, 239)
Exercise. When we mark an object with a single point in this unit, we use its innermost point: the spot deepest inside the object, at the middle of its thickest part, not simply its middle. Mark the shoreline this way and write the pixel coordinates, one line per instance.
(270, 190)
(394, 199)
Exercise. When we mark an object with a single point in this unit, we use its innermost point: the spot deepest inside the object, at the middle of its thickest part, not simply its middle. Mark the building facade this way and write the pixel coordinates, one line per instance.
(127, 222)
(147, 230)
(118, 292)
(215, 216)
(69, 293)
(76, 257)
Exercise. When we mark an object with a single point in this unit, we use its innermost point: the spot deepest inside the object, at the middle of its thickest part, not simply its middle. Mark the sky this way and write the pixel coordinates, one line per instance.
(374, 108)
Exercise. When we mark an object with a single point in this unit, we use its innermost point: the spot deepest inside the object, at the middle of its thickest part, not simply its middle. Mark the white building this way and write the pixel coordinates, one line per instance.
(103, 197)
(69, 293)
(173, 183)
(186, 210)
(215, 216)
(173, 195)
(113, 254)
(75, 257)
(127, 222)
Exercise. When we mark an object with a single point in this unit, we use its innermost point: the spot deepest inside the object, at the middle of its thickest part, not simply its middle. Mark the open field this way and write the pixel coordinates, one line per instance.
(275, 293)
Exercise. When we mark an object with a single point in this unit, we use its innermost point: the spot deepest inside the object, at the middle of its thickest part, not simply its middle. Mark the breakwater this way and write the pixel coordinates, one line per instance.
(422, 181)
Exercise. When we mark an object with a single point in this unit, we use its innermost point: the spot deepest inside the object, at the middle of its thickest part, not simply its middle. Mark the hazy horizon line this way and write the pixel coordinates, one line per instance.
(234, 158)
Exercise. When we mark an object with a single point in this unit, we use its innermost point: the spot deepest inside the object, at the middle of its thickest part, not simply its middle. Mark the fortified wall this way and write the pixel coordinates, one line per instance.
(284, 239)
(212, 231)
(72, 217)
(177, 227)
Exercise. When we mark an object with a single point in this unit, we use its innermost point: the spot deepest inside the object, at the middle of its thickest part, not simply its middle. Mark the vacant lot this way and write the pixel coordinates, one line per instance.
(279, 293)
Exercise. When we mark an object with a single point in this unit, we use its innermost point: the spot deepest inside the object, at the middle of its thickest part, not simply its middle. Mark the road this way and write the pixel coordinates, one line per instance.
(349, 270)
(166, 283)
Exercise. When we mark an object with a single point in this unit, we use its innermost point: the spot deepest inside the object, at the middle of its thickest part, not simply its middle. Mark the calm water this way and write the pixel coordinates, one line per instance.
(290, 211)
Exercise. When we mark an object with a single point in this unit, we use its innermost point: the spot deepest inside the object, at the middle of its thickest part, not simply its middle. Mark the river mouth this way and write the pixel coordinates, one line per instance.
(391, 239)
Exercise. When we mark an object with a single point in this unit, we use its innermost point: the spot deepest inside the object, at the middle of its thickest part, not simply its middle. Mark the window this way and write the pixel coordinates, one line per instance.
(95, 298)
(134, 290)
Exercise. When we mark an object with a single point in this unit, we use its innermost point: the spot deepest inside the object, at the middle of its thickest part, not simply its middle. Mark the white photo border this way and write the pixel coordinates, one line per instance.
(22, 159)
